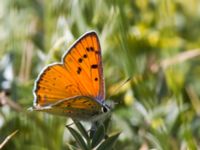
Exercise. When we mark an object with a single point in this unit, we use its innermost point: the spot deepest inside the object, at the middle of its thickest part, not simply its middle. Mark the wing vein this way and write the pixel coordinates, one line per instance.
(78, 78)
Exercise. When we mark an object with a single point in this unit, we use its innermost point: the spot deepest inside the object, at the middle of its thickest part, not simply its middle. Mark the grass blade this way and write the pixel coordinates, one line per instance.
(7, 139)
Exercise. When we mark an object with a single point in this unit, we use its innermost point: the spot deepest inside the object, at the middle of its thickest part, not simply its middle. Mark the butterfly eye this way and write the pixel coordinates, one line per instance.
(104, 109)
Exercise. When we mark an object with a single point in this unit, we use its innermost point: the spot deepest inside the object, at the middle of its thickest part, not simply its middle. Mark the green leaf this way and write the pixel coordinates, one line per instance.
(108, 143)
(82, 130)
(98, 136)
(78, 138)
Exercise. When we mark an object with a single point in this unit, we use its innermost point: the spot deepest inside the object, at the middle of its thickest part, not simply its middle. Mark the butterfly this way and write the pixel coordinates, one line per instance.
(75, 86)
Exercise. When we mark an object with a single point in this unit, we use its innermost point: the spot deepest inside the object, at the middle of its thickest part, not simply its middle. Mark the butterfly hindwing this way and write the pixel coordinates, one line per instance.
(80, 108)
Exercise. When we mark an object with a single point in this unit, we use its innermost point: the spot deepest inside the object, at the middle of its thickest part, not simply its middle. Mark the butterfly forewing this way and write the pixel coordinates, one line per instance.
(54, 84)
(79, 75)
(84, 62)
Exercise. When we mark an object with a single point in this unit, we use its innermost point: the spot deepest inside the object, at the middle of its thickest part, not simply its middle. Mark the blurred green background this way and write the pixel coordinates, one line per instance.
(154, 42)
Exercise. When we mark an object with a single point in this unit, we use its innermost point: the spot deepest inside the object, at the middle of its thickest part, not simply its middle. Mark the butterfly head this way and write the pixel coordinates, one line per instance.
(102, 114)
(105, 108)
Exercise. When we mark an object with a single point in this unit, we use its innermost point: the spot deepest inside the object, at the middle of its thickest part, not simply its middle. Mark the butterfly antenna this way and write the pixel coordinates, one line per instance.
(116, 90)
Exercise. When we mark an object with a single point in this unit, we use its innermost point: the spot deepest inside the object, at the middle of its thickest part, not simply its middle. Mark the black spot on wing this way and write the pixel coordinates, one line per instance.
(80, 60)
(79, 70)
(85, 56)
(94, 66)
(90, 49)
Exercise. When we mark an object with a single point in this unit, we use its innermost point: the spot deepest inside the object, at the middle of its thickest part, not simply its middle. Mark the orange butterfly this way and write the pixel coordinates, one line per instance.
(74, 87)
